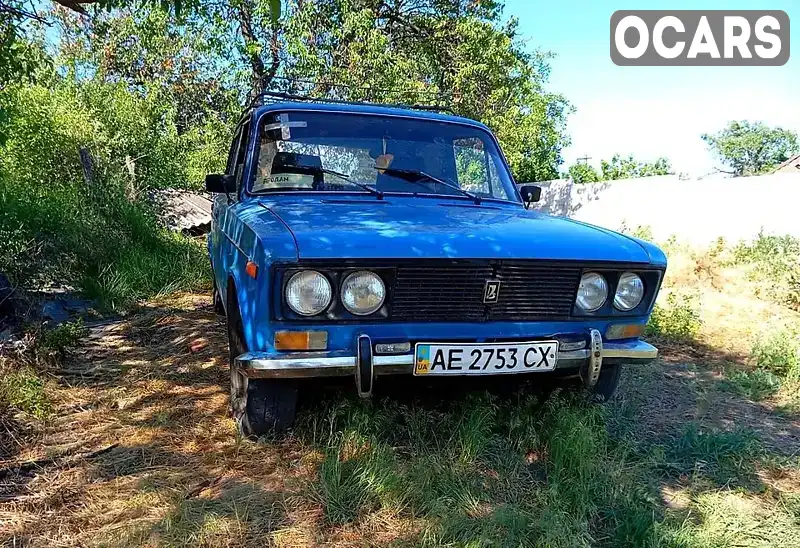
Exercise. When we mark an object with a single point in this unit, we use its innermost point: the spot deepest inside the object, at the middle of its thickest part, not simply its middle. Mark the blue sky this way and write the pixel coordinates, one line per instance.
(653, 111)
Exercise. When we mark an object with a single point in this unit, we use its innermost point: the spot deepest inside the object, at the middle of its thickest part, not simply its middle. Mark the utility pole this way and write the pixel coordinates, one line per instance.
(585, 159)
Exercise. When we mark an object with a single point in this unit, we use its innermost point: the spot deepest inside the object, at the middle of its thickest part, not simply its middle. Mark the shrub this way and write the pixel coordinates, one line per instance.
(774, 260)
(63, 336)
(679, 319)
(99, 236)
(24, 390)
(779, 353)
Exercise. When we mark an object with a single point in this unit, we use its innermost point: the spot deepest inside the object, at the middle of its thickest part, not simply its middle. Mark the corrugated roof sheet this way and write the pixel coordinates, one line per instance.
(183, 211)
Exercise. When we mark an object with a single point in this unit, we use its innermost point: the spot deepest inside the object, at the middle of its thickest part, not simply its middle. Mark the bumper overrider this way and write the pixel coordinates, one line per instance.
(365, 364)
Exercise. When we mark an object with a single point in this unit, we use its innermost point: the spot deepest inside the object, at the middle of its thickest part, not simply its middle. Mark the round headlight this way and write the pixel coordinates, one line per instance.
(308, 293)
(630, 291)
(363, 293)
(592, 292)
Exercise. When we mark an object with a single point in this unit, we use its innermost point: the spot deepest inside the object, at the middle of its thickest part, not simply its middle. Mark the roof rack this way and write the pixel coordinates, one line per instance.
(271, 97)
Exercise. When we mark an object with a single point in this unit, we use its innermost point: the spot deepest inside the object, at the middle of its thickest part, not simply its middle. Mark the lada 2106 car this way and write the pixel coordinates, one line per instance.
(361, 240)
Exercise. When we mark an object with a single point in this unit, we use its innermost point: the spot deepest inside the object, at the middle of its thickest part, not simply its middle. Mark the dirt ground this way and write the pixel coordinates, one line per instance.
(142, 451)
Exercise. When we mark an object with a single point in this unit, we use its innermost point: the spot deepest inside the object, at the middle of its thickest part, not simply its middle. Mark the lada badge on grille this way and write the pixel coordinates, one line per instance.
(491, 291)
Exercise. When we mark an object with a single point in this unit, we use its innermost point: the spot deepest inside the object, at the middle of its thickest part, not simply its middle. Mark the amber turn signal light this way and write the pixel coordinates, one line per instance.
(625, 331)
(301, 340)
(251, 268)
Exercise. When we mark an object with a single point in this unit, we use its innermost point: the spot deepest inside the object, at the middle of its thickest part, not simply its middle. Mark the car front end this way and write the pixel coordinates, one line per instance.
(369, 242)
(502, 305)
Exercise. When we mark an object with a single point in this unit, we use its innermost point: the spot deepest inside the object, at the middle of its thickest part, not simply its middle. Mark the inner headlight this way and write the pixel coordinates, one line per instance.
(363, 293)
(308, 293)
(630, 291)
(592, 292)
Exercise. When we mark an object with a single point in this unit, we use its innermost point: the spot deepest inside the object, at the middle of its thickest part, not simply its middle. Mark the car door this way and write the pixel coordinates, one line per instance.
(219, 245)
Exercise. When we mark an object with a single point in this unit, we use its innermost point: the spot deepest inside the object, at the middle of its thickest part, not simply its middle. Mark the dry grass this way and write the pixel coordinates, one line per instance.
(678, 459)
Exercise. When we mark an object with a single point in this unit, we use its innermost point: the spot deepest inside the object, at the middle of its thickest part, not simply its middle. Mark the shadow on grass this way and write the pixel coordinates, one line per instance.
(425, 462)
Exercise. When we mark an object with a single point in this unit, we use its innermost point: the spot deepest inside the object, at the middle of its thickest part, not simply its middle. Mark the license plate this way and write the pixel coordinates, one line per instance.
(484, 359)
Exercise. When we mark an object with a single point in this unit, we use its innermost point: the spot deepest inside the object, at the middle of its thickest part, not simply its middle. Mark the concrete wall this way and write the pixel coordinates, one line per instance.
(694, 210)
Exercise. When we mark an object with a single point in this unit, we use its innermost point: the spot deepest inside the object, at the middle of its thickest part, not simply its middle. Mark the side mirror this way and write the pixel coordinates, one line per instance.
(530, 194)
(220, 183)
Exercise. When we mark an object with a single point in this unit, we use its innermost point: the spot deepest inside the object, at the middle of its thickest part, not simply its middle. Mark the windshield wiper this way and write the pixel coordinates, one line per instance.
(346, 178)
(422, 175)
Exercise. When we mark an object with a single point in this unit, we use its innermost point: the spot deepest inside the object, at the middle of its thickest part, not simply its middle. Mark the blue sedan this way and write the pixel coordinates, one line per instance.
(360, 240)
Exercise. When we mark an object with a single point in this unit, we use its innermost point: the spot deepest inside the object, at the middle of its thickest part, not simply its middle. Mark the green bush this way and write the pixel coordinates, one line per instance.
(24, 390)
(63, 336)
(678, 320)
(101, 236)
(779, 353)
(775, 260)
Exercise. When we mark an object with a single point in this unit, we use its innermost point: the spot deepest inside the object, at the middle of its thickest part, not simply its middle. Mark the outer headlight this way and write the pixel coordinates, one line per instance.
(308, 293)
(630, 291)
(363, 293)
(592, 292)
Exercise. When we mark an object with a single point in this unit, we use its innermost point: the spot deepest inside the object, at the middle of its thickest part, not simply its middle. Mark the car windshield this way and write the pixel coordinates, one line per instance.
(351, 152)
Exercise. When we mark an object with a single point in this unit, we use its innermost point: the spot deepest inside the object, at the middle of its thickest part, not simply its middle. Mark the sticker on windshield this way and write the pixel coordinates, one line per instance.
(288, 180)
(284, 124)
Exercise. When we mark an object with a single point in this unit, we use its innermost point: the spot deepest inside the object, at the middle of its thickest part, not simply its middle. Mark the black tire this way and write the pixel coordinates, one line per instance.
(216, 298)
(259, 406)
(607, 383)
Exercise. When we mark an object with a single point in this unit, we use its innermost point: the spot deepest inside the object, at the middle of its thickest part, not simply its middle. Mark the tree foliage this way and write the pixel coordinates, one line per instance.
(151, 96)
(582, 172)
(630, 168)
(457, 52)
(750, 148)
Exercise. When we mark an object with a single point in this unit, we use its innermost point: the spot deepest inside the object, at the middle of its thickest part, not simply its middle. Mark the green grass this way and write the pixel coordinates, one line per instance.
(678, 319)
(755, 385)
(22, 389)
(528, 471)
(779, 353)
(485, 472)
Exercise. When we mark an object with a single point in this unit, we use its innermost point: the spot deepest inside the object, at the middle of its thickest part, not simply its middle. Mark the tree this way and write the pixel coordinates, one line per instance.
(454, 52)
(630, 168)
(583, 173)
(750, 148)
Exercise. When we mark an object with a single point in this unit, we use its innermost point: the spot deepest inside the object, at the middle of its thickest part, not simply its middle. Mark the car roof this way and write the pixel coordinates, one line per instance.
(356, 108)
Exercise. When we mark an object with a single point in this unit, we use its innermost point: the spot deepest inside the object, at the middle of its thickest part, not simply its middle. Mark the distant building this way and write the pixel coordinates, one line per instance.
(792, 165)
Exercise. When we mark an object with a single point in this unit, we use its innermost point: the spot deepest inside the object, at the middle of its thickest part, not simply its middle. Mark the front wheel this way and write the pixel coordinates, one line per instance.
(607, 383)
(259, 406)
(216, 299)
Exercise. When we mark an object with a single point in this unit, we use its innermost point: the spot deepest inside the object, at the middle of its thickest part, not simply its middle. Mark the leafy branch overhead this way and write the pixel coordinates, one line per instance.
(464, 53)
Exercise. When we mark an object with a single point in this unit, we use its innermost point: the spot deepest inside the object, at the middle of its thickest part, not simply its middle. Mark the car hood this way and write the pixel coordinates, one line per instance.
(427, 228)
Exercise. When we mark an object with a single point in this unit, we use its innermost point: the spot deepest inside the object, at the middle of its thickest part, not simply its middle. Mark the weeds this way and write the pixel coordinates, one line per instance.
(502, 472)
(754, 385)
(774, 262)
(24, 390)
(63, 336)
(779, 354)
(678, 320)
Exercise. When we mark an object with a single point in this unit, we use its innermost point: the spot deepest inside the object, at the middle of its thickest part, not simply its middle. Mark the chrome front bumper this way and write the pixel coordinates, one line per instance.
(340, 364)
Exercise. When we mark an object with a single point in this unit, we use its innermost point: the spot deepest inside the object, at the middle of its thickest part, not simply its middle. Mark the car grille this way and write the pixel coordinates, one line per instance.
(454, 291)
